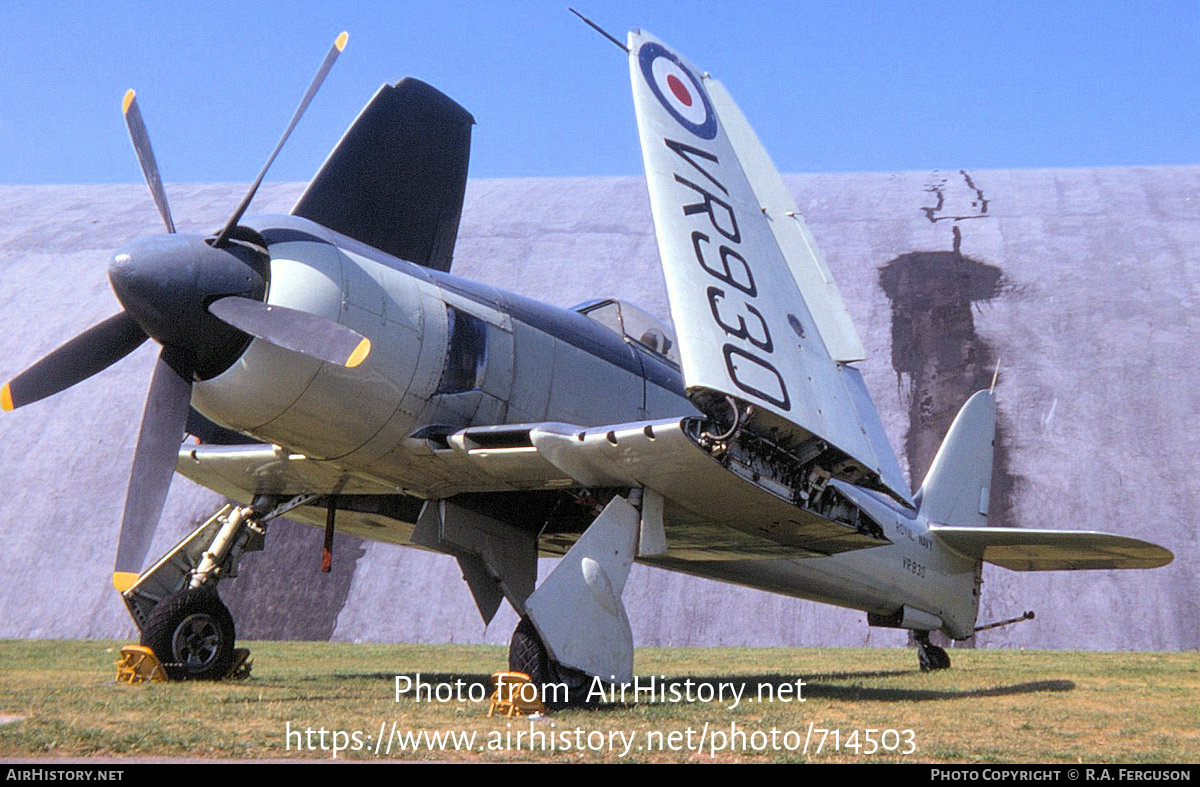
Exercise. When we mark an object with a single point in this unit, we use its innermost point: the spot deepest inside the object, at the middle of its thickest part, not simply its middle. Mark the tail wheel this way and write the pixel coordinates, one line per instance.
(191, 632)
(931, 657)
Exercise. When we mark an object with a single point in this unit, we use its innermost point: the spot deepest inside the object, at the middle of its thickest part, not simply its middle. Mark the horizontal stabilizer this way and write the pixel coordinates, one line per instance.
(396, 179)
(1027, 549)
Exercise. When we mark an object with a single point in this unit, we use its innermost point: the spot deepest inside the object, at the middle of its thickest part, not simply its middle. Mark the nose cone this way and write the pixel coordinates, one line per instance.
(166, 282)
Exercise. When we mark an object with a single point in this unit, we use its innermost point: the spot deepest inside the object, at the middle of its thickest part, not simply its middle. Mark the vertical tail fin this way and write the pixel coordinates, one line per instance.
(956, 488)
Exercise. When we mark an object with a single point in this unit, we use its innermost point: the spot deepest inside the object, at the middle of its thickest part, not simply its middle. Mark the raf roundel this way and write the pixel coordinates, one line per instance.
(678, 90)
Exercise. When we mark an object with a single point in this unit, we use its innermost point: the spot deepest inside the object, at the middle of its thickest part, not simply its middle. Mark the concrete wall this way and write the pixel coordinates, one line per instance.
(1083, 284)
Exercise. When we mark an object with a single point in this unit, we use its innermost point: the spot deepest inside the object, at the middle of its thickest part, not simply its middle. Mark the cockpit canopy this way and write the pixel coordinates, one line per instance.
(634, 324)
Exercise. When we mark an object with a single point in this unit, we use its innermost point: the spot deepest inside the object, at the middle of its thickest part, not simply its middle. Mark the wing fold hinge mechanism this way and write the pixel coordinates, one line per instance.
(797, 472)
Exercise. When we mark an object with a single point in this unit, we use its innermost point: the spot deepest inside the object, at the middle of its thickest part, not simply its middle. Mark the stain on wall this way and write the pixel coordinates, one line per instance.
(936, 352)
(939, 358)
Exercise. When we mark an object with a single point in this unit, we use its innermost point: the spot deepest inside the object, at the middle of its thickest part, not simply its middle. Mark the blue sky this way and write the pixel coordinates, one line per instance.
(829, 86)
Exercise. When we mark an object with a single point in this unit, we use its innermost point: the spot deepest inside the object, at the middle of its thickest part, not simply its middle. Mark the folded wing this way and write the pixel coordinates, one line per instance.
(757, 313)
(396, 179)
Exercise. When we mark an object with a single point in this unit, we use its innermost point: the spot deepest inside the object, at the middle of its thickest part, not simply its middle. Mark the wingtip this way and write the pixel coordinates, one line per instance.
(340, 43)
(6, 402)
(360, 353)
(126, 101)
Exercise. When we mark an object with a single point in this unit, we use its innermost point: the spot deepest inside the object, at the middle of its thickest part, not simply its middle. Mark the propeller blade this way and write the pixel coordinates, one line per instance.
(334, 51)
(294, 330)
(145, 156)
(92, 351)
(163, 420)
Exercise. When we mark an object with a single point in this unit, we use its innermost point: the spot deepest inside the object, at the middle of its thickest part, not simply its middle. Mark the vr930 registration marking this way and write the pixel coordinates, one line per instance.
(747, 359)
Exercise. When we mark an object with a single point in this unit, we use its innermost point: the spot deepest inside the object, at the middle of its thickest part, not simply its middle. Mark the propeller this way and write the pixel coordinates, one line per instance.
(92, 351)
(199, 298)
(145, 156)
(294, 330)
(163, 420)
(338, 45)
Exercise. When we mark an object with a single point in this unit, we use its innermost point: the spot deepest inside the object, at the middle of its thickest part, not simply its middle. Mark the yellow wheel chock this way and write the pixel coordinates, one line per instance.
(515, 695)
(138, 664)
(241, 665)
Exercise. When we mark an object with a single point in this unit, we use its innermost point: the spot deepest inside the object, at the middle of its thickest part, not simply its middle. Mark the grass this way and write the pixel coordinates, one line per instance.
(993, 706)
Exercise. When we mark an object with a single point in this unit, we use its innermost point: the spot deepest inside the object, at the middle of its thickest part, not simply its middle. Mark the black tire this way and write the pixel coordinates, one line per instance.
(191, 632)
(931, 658)
(527, 654)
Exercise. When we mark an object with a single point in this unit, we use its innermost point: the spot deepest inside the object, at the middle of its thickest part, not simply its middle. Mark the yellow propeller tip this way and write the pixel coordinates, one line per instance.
(125, 102)
(123, 580)
(359, 354)
(341, 41)
(6, 398)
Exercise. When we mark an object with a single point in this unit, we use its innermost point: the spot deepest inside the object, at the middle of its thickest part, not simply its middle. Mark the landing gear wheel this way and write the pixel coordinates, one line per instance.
(191, 633)
(527, 654)
(930, 656)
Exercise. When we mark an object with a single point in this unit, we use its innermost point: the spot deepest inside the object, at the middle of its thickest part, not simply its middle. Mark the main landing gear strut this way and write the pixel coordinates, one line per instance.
(175, 602)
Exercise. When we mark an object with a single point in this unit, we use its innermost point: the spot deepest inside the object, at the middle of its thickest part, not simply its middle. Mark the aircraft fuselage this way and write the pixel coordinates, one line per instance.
(447, 353)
